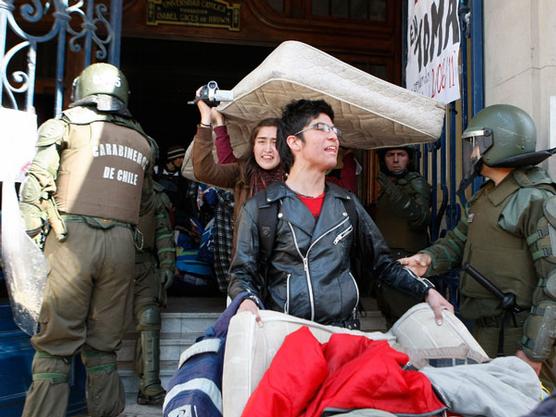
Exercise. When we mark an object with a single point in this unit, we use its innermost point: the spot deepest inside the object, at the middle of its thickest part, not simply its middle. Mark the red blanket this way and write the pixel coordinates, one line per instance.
(349, 372)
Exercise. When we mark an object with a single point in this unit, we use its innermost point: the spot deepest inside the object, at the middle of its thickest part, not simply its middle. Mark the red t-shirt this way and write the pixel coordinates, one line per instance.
(314, 204)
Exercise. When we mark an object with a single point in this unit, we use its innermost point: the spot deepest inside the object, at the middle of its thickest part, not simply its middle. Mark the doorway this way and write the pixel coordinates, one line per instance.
(164, 74)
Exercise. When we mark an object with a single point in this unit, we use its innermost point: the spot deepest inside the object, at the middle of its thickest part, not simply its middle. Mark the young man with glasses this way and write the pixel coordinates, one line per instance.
(308, 271)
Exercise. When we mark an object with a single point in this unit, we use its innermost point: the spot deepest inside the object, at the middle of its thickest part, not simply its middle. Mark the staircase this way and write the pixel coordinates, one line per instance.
(183, 321)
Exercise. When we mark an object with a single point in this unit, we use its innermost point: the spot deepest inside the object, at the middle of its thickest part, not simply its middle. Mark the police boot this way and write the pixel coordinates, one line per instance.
(49, 392)
(148, 365)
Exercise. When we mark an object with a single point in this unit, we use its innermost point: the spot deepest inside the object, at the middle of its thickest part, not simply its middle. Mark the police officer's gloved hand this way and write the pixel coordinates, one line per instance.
(404, 205)
(167, 278)
(166, 281)
(34, 222)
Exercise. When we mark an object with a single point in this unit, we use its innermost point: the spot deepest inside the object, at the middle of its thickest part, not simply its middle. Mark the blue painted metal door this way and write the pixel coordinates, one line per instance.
(442, 160)
(92, 30)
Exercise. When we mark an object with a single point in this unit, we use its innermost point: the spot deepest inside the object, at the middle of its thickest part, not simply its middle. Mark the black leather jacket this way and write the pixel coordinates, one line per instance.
(308, 272)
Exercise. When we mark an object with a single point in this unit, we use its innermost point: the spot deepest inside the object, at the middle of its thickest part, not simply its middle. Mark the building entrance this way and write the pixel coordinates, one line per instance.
(164, 74)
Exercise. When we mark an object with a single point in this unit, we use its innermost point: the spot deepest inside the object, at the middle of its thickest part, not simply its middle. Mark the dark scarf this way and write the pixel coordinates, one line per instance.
(262, 178)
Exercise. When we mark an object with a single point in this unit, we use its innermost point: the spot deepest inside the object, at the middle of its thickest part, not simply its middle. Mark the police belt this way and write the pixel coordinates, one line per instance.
(95, 222)
(496, 321)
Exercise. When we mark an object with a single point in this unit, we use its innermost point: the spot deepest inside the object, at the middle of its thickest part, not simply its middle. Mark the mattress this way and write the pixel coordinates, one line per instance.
(371, 112)
(418, 335)
(250, 349)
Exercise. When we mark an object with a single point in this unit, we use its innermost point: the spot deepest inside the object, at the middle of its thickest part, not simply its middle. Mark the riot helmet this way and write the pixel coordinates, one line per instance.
(500, 135)
(103, 85)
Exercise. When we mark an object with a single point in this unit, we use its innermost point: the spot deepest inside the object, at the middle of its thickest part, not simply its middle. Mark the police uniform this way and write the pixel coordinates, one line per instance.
(402, 213)
(155, 264)
(96, 164)
(508, 236)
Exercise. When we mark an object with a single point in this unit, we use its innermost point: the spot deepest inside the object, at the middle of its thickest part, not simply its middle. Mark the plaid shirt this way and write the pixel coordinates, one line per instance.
(223, 237)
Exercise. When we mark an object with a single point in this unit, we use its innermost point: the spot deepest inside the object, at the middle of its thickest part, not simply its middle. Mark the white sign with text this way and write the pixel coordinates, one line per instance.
(18, 138)
(433, 38)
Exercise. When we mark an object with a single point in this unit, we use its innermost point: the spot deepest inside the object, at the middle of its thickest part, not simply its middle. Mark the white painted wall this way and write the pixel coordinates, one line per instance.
(520, 60)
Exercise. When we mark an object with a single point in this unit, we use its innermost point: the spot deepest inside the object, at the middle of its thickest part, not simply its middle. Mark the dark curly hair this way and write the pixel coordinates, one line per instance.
(295, 116)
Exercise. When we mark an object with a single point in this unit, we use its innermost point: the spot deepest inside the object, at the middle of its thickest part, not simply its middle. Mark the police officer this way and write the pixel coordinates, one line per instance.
(93, 164)
(402, 213)
(508, 234)
(155, 265)
(175, 185)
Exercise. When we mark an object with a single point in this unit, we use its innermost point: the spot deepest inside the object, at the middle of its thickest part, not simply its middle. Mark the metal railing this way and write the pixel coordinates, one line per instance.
(442, 159)
(87, 27)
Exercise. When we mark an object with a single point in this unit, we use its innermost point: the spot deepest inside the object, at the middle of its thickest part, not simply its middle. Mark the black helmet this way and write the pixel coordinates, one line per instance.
(411, 153)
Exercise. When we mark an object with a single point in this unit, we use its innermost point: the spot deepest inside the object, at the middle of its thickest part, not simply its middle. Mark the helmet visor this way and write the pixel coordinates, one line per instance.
(475, 144)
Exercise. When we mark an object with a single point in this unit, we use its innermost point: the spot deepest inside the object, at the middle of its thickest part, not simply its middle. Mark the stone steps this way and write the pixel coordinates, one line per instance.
(179, 330)
(131, 382)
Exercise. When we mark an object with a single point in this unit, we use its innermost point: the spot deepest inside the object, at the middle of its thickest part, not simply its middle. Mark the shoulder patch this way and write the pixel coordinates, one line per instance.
(51, 131)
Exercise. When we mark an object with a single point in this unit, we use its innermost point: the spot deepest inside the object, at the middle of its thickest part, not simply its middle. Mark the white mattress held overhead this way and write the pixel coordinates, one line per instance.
(371, 112)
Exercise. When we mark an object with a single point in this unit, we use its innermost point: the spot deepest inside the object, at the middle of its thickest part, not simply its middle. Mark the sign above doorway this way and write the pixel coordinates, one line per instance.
(203, 13)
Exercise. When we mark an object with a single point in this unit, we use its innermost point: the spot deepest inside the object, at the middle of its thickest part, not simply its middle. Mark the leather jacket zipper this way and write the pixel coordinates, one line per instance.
(342, 235)
(287, 303)
(357, 292)
(306, 262)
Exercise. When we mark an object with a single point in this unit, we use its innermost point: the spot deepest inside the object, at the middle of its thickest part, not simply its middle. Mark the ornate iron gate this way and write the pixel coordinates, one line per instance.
(442, 159)
(88, 27)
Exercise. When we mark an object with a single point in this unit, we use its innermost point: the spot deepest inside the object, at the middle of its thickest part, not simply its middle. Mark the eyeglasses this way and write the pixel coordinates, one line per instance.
(323, 127)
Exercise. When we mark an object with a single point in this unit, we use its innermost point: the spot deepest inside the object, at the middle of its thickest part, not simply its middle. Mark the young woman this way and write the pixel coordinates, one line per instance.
(253, 172)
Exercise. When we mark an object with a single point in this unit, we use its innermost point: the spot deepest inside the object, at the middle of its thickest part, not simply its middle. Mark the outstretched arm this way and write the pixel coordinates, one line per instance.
(418, 263)
(444, 255)
(373, 247)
